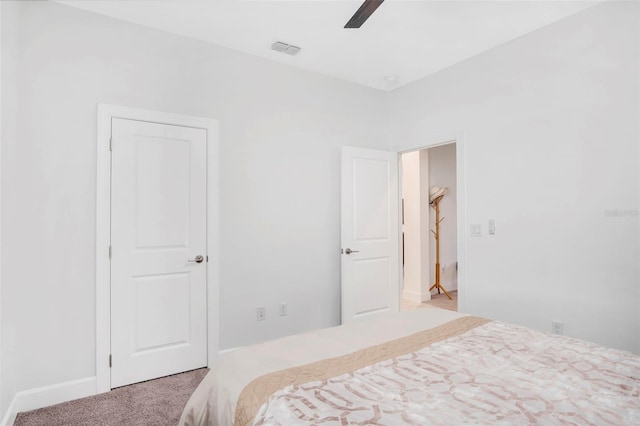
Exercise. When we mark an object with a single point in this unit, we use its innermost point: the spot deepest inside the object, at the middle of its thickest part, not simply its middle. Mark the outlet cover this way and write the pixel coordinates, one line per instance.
(557, 327)
(261, 313)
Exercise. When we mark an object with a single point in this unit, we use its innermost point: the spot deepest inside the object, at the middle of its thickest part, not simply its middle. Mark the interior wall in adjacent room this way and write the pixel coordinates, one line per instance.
(442, 173)
(415, 227)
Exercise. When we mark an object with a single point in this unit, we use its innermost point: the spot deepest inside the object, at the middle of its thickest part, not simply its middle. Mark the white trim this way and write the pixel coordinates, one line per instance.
(226, 351)
(103, 238)
(213, 241)
(416, 297)
(638, 236)
(638, 325)
(48, 395)
(103, 219)
(1, 387)
(461, 183)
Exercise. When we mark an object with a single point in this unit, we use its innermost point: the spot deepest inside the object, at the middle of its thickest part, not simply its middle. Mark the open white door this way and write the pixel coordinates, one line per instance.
(159, 242)
(369, 233)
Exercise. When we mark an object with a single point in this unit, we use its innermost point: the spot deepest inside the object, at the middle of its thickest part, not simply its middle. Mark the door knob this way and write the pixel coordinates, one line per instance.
(349, 251)
(199, 258)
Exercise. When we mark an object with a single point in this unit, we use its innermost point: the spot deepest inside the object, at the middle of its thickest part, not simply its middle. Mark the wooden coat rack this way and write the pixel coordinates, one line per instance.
(435, 204)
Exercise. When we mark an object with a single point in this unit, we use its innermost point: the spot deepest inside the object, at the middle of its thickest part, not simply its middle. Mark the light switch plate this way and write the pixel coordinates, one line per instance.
(282, 309)
(476, 230)
(492, 227)
(261, 313)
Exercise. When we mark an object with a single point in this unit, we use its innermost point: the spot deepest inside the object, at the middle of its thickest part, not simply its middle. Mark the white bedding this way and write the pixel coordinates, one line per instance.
(214, 401)
(493, 374)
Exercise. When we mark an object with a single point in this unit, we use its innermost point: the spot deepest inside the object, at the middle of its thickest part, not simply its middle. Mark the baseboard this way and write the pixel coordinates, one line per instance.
(48, 395)
(451, 287)
(447, 285)
(226, 351)
(416, 297)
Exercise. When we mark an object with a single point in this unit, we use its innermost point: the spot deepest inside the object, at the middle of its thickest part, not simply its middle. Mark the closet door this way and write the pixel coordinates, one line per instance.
(369, 233)
(159, 253)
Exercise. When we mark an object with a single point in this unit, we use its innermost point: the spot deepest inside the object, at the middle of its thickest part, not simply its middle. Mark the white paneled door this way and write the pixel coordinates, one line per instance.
(159, 250)
(369, 233)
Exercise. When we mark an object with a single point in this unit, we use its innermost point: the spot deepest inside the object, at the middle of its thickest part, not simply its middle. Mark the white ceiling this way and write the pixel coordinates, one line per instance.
(407, 39)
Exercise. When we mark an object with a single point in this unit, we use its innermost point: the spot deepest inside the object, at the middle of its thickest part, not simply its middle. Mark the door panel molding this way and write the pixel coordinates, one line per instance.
(103, 227)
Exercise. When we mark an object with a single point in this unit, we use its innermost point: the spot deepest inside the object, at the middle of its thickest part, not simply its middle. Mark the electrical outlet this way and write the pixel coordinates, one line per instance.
(261, 313)
(282, 309)
(557, 327)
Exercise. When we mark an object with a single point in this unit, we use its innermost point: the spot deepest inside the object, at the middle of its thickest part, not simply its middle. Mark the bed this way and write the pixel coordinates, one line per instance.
(427, 366)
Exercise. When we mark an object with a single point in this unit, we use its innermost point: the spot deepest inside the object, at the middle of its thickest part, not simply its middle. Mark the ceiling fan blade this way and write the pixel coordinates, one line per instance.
(363, 13)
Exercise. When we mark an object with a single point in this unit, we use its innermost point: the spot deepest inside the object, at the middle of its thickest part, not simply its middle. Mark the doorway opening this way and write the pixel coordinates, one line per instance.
(430, 215)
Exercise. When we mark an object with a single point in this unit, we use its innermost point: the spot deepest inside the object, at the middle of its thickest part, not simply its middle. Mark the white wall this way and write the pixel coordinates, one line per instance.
(442, 172)
(415, 195)
(551, 137)
(550, 124)
(281, 130)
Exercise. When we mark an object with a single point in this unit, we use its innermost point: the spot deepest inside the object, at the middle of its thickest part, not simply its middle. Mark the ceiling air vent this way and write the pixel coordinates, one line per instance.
(289, 49)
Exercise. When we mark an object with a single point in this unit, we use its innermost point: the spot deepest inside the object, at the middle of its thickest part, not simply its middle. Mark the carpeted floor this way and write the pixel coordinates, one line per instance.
(157, 402)
(154, 403)
(437, 301)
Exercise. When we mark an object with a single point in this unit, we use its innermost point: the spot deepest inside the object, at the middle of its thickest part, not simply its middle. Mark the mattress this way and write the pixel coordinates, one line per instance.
(427, 366)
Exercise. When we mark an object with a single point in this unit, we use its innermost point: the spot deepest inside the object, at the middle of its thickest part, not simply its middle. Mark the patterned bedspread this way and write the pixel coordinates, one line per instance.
(496, 374)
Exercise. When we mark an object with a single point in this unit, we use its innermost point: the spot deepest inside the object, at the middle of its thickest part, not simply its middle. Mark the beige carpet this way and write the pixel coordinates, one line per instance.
(156, 402)
(437, 301)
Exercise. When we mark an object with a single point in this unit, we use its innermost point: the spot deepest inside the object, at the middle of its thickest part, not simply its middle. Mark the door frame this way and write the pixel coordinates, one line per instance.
(106, 113)
(461, 214)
